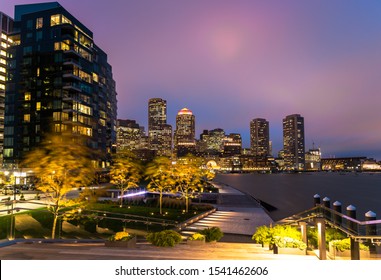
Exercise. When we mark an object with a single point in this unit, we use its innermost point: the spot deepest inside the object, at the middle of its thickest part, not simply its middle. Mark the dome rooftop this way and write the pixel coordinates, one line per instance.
(185, 111)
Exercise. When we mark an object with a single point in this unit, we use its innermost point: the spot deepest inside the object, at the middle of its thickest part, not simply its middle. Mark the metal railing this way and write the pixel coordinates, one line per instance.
(359, 230)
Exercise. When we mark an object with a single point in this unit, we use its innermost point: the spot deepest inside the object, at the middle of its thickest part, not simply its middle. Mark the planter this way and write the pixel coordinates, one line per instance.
(196, 242)
(289, 251)
(125, 244)
(346, 254)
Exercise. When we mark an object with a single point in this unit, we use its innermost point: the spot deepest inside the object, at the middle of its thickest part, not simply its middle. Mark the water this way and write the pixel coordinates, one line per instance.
(293, 193)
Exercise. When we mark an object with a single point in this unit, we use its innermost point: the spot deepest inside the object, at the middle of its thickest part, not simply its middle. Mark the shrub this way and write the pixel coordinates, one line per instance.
(212, 234)
(197, 236)
(165, 238)
(262, 235)
(283, 236)
(345, 244)
(121, 236)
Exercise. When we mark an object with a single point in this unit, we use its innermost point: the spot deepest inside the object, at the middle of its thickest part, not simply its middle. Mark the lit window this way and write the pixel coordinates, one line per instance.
(27, 118)
(38, 106)
(8, 152)
(2, 78)
(56, 116)
(95, 77)
(27, 96)
(65, 20)
(39, 23)
(55, 20)
(38, 71)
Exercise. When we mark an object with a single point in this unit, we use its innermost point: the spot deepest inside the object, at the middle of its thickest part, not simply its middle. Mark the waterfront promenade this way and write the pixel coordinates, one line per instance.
(237, 215)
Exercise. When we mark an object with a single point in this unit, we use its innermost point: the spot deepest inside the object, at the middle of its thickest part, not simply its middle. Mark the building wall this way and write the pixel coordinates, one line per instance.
(293, 142)
(60, 82)
(6, 26)
(159, 132)
(260, 137)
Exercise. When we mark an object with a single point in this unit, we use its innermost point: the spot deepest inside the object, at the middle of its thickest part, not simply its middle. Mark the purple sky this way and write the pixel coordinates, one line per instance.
(232, 61)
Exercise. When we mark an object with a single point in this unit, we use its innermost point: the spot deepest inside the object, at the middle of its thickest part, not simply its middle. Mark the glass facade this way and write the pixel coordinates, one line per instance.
(51, 85)
(6, 26)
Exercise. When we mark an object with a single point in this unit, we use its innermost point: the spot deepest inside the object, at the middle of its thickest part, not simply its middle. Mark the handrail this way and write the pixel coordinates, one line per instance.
(351, 226)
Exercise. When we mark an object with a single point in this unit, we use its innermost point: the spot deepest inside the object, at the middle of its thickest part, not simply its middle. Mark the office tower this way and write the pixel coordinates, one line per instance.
(59, 82)
(128, 135)
(212, 141)
(185, 132)
(6, 26)
(259, 137)
(159, 132)
(293, 142)
(232, 144)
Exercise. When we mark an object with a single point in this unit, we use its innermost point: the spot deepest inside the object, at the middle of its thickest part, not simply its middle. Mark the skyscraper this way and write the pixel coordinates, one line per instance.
(159, 132)
(59, 82)
(259, 137)
(293, 142)
(185, 132)
(6, 26)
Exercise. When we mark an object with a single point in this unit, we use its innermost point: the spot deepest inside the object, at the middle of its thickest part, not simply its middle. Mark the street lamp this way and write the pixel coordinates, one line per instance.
(11, 234)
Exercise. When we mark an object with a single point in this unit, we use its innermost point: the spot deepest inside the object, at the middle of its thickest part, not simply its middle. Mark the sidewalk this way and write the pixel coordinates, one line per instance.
(238, 215)
(143, 251)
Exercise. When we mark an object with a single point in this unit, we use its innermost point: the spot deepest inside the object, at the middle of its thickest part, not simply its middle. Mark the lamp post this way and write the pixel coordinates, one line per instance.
(11, 230)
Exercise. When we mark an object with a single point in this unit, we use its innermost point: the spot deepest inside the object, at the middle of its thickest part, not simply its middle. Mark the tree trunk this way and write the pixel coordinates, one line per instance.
(54, 224)
(121, 197)
(161, 203)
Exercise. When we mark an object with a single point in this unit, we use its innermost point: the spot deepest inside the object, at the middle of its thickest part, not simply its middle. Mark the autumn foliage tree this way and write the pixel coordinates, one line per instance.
(160, 175)
(190, 177)
(125, 172)
(60, 164)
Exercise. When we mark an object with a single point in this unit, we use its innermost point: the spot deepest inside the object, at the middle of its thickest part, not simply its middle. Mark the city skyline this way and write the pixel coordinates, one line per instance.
(231, 62)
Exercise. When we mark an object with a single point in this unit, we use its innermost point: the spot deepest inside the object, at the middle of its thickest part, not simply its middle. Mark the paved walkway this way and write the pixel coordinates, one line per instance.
(237, 214)
(143, 251)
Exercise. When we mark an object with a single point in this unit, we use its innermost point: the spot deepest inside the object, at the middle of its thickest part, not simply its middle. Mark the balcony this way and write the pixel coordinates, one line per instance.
(72, 86)
(70, 75)
(72, 61)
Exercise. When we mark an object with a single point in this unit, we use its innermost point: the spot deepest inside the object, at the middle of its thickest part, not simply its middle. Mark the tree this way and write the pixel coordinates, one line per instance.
(60, 164)
(160, 174)
(125, 172)
(189, 177)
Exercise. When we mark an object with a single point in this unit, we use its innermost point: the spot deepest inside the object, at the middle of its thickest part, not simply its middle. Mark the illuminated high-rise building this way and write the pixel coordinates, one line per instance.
(6, 26)
(128, 136)
(293, 142)
(259, 138)
(212, 141)
(157, 114)
(185, 141)
(232, 144)
(59, 82)
(159, 132)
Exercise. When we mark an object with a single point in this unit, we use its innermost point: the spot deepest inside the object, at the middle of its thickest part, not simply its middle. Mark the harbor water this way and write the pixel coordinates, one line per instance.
(286, 194)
